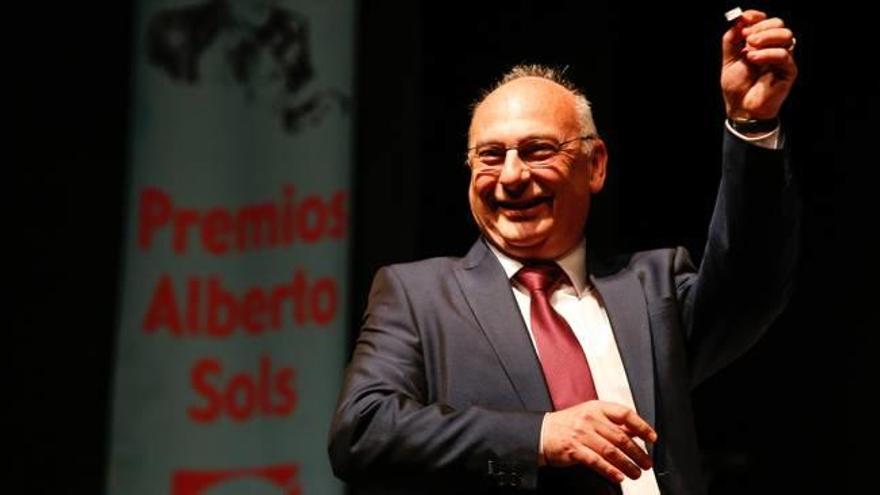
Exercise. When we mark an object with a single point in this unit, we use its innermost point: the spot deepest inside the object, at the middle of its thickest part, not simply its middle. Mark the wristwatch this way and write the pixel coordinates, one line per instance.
(753, 126)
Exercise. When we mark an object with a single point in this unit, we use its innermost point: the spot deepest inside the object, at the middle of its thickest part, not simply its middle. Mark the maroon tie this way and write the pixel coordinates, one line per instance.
(565, 367)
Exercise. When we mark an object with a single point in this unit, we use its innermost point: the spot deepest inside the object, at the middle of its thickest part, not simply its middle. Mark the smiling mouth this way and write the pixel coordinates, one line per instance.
(526, 207)
(522, 205)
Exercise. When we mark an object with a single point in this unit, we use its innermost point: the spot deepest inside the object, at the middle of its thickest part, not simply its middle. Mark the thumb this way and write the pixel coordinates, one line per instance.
(731, 43)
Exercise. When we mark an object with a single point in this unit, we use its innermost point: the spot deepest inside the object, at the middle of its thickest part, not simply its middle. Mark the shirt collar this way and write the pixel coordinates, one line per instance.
(573, 263)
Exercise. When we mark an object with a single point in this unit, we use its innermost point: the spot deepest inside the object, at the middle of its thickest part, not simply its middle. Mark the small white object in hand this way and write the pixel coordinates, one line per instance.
(733, 14)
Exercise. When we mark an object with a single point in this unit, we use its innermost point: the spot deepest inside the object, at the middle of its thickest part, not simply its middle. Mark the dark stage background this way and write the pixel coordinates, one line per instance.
(783, 419)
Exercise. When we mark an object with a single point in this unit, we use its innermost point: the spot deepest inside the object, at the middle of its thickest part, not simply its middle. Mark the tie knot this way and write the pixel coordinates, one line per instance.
(539, 277)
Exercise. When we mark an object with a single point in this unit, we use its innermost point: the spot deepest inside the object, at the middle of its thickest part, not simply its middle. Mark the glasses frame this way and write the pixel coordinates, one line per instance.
(548, 162)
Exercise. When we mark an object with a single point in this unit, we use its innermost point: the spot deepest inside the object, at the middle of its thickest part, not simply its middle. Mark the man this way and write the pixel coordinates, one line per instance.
(525, 366)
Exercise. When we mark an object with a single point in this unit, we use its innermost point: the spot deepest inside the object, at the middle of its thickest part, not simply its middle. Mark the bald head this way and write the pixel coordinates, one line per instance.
(528, 105)
(540, 78)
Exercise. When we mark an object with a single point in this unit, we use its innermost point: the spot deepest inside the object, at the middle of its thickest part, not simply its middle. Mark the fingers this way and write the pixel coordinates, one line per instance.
(751, 31)
(600, 435)
(598, 464)
(774, 37)
(763, 25)
(768, 33)
(611, 454)
(621, 449)
(635, 424)
(732, 41)
(751, 16)
(770, 56)
(779, 61)
(760, 41)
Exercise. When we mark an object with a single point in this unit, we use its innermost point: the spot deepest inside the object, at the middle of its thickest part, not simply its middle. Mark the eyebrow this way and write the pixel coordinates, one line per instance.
(529, 137)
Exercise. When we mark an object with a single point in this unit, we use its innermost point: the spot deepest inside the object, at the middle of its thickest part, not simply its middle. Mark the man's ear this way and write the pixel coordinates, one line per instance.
(598, 161)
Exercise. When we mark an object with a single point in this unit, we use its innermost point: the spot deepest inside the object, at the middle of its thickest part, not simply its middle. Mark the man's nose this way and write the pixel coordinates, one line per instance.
(514, 171)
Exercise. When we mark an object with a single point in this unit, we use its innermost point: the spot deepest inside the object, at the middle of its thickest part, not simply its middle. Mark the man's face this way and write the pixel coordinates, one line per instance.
(536, 213)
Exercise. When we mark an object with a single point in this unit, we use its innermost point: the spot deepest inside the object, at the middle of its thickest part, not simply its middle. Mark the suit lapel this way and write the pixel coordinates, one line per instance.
(624, 302)
(488, 293)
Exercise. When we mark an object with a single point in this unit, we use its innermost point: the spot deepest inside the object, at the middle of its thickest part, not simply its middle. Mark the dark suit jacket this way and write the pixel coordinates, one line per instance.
(445, 394)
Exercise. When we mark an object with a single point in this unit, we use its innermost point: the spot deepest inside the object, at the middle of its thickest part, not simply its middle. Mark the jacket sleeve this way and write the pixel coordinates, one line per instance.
(746, 275)
(387, 424)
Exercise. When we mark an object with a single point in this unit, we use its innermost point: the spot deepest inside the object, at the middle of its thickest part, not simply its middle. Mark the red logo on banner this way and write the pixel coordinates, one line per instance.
(203, 482)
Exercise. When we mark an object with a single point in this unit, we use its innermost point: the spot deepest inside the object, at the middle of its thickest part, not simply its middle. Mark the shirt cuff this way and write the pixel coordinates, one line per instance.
(541, 460)
(772, 140)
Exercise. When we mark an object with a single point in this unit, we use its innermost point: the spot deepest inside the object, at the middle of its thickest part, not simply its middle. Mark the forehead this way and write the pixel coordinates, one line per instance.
(527, 106)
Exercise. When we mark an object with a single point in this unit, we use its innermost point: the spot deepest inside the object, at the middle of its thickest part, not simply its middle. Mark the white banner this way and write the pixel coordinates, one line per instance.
(231, 337)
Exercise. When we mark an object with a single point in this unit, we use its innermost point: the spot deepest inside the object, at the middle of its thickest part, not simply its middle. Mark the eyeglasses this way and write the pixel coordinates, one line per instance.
(535, 153)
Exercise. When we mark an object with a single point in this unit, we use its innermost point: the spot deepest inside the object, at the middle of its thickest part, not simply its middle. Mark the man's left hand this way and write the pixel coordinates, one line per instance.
(757, 66)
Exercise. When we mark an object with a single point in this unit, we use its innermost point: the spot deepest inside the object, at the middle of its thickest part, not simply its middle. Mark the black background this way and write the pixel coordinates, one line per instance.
(784, 419)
